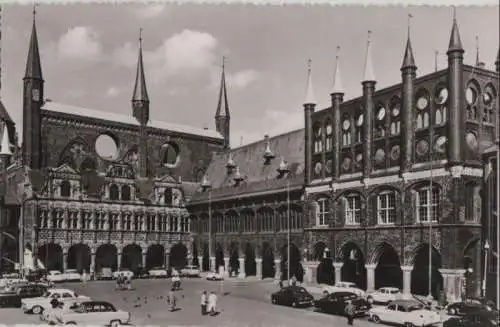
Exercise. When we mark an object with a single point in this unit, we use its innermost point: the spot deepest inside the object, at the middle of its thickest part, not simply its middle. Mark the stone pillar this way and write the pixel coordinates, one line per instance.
(311, 270)
(65, 259)
(119, 260)
(200, 262)
(144, 257)
(452, 279)
(242, 268)
(226, 266)
(277, 266)
(213, 268)
(407, 281)
(167, 259)
(370, 277)
(258, 262)
(92, 264)
(338, 271)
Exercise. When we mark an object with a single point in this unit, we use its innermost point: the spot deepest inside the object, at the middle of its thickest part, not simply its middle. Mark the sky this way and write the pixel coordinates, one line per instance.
(89, 56)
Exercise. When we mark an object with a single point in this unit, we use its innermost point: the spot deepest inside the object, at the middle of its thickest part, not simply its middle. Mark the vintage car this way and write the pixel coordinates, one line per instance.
(11, 296)
(294, 296)
(158, 272)
(190, 271)
(385, 295)
(336, 302)
(7, 281)
(97, 313)
(38, 304)
(469, 306)
(72, 275)
(344, 287)
(50, 315)
(476, 319)
(55, 276)
(408, 313)
(105, 274)
(214, 276)
(125, 272)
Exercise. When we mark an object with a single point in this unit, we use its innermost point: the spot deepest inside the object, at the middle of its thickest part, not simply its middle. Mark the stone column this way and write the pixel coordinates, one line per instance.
(338, 271)
(92, 264)
(277, 266)
(258, 262)
(144, 257)
(65, 259)
(167, 259)
(226, 266)
(242, 268)
(452, 279)
(213, 268)
(370, 277)
(311, 270)
(200, 262)
(407, 281)
(119, 260)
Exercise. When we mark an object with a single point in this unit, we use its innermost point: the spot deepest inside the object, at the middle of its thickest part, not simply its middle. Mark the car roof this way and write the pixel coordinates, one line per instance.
(343, 293)
(96, 302)
(405, 302)
(60, 290)
(389, 288)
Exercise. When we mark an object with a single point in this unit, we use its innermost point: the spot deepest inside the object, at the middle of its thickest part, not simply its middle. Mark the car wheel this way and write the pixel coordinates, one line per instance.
(294, 304)
(37, 309)
(409, 324)
(273, 300)
(70, 323)
(370, 300)
(115, 323)
(375, 319)
(452, 312)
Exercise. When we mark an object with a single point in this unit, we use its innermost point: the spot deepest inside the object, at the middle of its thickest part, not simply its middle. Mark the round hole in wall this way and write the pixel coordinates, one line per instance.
(106, 147)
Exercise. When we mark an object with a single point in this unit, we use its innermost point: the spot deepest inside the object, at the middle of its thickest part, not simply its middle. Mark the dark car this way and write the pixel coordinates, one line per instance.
(294, 296)
(336, 302)
(470, 306)
(477, 319)
(11, 297)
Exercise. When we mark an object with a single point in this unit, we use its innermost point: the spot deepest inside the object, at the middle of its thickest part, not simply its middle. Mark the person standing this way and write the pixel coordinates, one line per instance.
(349, 311)
(212, 302)
(172, 300)
(204, 303)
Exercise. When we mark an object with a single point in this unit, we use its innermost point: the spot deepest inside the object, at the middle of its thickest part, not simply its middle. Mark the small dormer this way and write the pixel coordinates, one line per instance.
(230, 165)
(283, 168)
(238, 178)
(268, 154)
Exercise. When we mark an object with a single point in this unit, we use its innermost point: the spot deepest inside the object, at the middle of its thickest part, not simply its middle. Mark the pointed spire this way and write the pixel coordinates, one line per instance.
(478, 63)
(5, 146)
(455, 42)
(337, 81)
(408, 60)
(33, 64)
(223, 106)
(369, 75)
(309, 91)
(140, 90)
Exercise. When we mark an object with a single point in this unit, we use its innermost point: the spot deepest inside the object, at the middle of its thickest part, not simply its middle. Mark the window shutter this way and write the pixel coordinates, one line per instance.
(374, 210)
(414, 206)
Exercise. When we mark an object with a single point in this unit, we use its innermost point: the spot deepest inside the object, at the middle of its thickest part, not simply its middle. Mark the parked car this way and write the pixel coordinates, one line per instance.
(335, 303)
(190, 271)
(214, 276)
(7, 281)
(405, 313)
(469, 306)
(105, 274)
(476, 319)
(55, 276)
(93, 313)
(344, 287)
(294, 296)
(385, 295)
(158, 272)
(125, 272)
(12, 296)
(72, 275)
(38, 304)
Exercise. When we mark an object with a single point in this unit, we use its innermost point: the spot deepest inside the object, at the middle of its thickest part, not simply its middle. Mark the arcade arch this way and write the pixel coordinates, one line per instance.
(106, 257)
(79, 257)
(178, 256)
(296, 268)
(353, 270)
(206, 258)
(420, 274)
(234, 262)
(388, 270)
(155, 257)
(132, 257)
(325, 270)
(51, 255)
(219, 256)
(250, 263)
(268, 268)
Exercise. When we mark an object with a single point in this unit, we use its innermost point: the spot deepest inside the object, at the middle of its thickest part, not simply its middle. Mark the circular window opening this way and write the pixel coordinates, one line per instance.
(170, 155)
(106, 147)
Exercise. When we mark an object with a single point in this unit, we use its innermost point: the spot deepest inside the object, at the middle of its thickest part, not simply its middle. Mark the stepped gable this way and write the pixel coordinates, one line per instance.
(258, 176)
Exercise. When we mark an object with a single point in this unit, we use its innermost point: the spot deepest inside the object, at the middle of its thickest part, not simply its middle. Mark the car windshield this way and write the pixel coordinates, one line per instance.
(393, 291)
(349, 297)
(299, 290)
(414, 307)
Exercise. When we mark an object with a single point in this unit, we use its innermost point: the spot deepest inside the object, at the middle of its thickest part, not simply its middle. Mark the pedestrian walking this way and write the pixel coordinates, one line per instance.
(172, 300)
(212, 303)
(349, 311)
(203, 303)
(84, 278)
(294, 280)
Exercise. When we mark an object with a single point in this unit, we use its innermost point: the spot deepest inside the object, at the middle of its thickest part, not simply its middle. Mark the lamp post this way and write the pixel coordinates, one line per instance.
(486, 250)
(207, 186)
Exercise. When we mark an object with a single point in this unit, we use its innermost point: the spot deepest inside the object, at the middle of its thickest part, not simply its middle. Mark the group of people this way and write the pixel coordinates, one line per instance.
(123, 282)
(208, 303)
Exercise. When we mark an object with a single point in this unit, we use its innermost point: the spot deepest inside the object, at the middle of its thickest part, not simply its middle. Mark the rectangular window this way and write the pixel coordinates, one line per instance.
(427, 206)
(386, 208)
(321, 212)
(352, 210)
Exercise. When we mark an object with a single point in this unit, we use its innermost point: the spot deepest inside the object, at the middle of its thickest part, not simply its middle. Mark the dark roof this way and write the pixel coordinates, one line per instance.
(4, 114)
(140, 90)
(33, 64)
(258, 176)
(455, 41)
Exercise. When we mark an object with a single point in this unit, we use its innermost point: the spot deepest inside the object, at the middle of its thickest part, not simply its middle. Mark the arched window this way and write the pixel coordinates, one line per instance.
(386, 207)
(318, 138)
(358, 128)
(427, 204)
(170, 154)
(321, 212)
(471, 99)
(329, 134)
(441, 102)
(114, 193)
(395, 117)
(473, 202)
(489, 97)
(423, 109)
(126, 193)
(346, 131)
(352, 209)
(168, 196)
(380, 121)
(65, 188)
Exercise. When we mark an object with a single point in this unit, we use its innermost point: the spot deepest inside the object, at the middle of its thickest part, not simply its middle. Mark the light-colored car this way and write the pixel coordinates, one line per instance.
(404, 313)
(190, 271)
(158, 272)
(385, 295)
(55, 276)
(127, 273)
(8, 281)
(97, 313)
(345, 287)
(214, 276)
(49, 316)
(37, 305)
(72, 275)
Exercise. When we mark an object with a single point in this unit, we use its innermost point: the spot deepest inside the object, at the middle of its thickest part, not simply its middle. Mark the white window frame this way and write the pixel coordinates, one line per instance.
(321, 212)
(428, 204)
(384, 213)
(352, 208)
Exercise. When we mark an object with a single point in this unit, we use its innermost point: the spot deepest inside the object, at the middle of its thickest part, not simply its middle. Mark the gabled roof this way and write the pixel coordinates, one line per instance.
(126, 119)
(258, 176)
(4, 114)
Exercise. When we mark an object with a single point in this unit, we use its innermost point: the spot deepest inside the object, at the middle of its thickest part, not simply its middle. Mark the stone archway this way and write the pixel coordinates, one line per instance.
(206, 258)
(250, 263)
(219, 257)
(155, 257)
(296, 268)
(234, 259)
(472, 264)
(51, 256)
(388, 270)
(268, 269)
(178, 256)
(106, 257)
(325, 270)
(132, 258)
(420, 274)
(353, 268)
(79, 257)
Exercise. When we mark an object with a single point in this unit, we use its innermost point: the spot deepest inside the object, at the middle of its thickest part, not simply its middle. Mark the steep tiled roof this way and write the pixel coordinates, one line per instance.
(258, 177)
(4, 115)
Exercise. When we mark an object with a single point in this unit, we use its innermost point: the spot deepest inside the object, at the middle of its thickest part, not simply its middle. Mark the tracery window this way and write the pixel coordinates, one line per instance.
(358, 128)
(114, 192)
(128, 221)
(473, 202)
(137, 222)
(380, 119)
(441, 110)
(395, 117)
(126, 193)
(318, 138)
(352, 209)
(346, 130)
(329, 135)
(422, 112)
(471, 98)
(489, 98)
(65, 188)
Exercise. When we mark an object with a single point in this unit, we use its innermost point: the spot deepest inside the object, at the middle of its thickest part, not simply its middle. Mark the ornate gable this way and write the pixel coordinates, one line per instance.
(168, 179)
(64, 169)
(118, 170)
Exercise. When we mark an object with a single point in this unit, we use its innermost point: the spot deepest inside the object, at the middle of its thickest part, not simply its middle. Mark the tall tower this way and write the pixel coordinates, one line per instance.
(368, 83)
(140, 98)
(309, 106)
(337, 96)
(32, 102)
(222, 116)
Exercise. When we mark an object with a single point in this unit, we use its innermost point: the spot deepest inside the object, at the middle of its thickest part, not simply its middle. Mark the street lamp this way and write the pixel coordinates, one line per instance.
(205, 184)
(486, 250)
(282, 171)
(5, 154)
